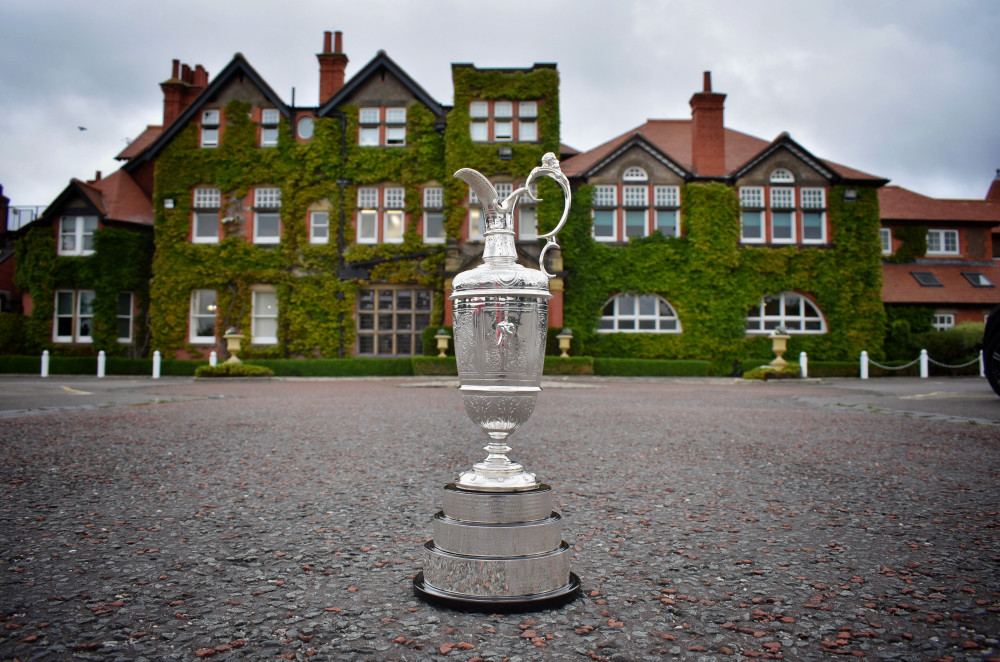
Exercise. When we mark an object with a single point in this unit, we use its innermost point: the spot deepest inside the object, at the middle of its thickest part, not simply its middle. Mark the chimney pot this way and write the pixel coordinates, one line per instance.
(707, 81)
(326, 41)
(97, 176)
(708, 134)
(176, 70)
(338, 43)
(331, 67)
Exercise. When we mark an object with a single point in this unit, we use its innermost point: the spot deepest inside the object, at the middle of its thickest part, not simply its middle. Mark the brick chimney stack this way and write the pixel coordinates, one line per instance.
(332, 64)
(181, 89)
(994, 192)
(708, 138)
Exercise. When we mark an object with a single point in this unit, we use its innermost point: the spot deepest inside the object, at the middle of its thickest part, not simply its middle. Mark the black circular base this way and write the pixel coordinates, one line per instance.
(501, 603)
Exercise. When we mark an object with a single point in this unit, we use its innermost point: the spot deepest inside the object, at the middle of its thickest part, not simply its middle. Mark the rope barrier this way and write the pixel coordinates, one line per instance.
(945, 365)
(889, 367)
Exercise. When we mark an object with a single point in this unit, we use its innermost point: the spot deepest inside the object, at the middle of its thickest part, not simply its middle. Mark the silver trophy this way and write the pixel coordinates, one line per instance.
(497, 540)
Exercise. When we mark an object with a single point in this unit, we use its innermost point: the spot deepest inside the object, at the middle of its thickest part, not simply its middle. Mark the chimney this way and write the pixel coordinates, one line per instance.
(708, 138)
(994, 193)
(331, 66)
(181, 89)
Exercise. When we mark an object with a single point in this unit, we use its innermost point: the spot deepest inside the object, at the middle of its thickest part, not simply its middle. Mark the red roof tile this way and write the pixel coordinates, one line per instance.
(900, 204)
(119, 198)
(145, 139)
(899, 285)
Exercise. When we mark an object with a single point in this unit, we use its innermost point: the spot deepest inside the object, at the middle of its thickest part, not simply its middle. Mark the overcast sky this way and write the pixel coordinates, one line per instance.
(905, 89)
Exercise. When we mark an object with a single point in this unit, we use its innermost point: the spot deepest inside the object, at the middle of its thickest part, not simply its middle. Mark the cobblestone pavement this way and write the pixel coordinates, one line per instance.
(284, 520)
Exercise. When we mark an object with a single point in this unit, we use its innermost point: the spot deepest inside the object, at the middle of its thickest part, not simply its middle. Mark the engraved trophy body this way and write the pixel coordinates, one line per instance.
(497, 541)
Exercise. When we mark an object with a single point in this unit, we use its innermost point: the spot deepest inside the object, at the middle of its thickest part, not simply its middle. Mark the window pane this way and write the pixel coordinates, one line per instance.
(86, 302)
(385, 344)
(627, 324)
(394, 226)
(366, 344)
(604, 221)
(395, 115)
(404, 321)
(368, 135)
(385, 322)
(64, 326)
(404, 344)
(124, 303)
(502, 130)
(265, 328)
(782, 228)
(368, 115)
(404, 299)
(626, 304)
(478, 131)
(205, 302)
(812, 225)
(503, 109)
(366, 226)
(528, 223)
(366, 300)
(434, 225)
(527, 109)
(268, 226)
(527, 131)
(423, 300)
(395, 135)
(647, 325)
(751, 225)
(635, 223)
(64, 303)
(478, 109)
(269, 136)
(366, 321)
(772, 306)
(647, 305)
(385, 299)
(421, 321)
(666, 223)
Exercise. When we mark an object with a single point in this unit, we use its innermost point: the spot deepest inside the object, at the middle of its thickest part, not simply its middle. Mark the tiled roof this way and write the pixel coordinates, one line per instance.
(899, 204)
(118, 198)
(899, 285)
(673, 138)
(145, 139)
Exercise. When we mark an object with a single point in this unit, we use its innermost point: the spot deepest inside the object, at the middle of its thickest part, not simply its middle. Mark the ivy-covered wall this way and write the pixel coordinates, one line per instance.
(120, 263)
(315, 306)
(711, 280)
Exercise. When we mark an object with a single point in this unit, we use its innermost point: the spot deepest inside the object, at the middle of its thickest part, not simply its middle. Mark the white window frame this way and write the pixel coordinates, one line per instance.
(194, 315)
(479, 110)
(662, 323)
(206, 205)
(269, 119)
(791, 216)
(129, 318)
(76, 316)
(527, 109)
(943, 321)
(781, 176)
(605, 200)
(503, 130)
(752, 204)
(885, 237)
(394, 226)
(635, 174)
(433, 206)
(942, 242)
(527, 223)
(211, 120)
(527, 131)
(258, 315)
(503, 109)
(267, 204)
(367, 215)
(476, 228)
(766, 323)
(319, 218)
(79, 234)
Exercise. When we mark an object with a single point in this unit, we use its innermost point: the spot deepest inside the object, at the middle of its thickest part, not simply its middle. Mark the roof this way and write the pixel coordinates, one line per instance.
(900, 204)
(116, 197)
(145, 139)
(673, 139)
(380, 62)
(899, 285)
(238, 66)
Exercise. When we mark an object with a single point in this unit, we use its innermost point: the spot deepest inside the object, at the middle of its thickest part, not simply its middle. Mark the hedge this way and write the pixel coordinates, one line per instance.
(651, 367)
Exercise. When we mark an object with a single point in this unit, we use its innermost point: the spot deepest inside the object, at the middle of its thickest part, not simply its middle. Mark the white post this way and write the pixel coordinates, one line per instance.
(156, 364)
(45, 363)
(924, 371)
(864, 364)
(803, 364)
(213, 359)
(101, 360)
(982, 364)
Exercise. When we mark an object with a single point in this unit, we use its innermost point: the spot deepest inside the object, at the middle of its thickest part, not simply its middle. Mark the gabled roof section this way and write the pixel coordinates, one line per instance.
(238, 66)
(115, 198)
(832, 171)
(900, 286)
(381, 62)
(144, 140)
(634, 139)
(899, 204)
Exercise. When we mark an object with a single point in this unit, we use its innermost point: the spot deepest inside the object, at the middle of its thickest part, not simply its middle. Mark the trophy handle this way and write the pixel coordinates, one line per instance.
(550, 168)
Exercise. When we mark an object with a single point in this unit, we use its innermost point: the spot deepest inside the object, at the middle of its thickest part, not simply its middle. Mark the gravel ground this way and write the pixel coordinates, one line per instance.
(285, 519)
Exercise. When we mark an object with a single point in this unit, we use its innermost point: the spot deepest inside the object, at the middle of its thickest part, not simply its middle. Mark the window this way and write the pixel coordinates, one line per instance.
(942, 242)
(210, 128)
(790, 311)
(527, 223)
(666, 199)
(434, 215)
(943, 321)
(885, 236)
(635, 200)
(74, 316)
(634, 174)
(390, 321)
(124, 317)
(269, 118)
(202, 323)
(642, 313)
(267, 222)
(604, 218)
(503, 120)
(977, 279)
(782, 176)
(752, 219)
(76, 235)
(264, 317)
(782, 214)
(372, 130)
(319, 227)
(306, 126)
(205, 217)
(813, 216)
(367, 231)
(926, 278)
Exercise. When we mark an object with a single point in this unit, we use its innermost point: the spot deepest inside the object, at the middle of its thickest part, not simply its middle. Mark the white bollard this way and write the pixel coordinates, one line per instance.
(864, 364)
(924, 368)
(101, 361)
(803, 364)
(156, 364)
(213, 358)
(982, 364)
(45, 363)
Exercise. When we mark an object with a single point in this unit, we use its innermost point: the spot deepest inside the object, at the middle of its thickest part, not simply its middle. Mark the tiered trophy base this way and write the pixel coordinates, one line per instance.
(497, 550)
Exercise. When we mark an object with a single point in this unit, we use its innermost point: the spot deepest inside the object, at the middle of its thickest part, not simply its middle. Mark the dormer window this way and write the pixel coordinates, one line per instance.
(782, 176)
(210, 128)
(76, 235)
(382, 126)
(635, 174)
(269, 118)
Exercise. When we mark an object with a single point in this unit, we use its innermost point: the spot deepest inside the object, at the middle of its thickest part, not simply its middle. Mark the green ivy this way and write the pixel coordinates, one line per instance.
(913, 244)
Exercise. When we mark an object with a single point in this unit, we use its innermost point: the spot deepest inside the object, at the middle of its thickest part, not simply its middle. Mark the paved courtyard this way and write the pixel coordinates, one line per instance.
(710, 519)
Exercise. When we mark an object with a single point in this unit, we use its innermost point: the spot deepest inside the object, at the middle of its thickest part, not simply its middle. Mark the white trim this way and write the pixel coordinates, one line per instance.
(389, 218)
(632, 211)
(633, 319)
(372, 216)
(792, 222)
(259, 317)
(313, 238)
(527, 228)
(942, 235)
(78, 233)
(194, 315)
(204, 238)
(765, 323)
(434, 240)
(131, 316)
(752, 240)
(267, 239)
(635, 174)
(942, 321)
(885, 237)
(677, 221)
(822, 226)
(614, 224)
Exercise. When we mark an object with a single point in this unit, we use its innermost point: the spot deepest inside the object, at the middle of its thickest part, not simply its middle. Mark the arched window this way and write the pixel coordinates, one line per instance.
(635, 174)
(782, 176)
(789, 310)
(638, 313)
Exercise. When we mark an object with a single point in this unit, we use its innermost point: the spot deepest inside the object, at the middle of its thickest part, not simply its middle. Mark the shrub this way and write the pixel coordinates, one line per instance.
(435, 365)
(573, 365)
(352, 367)
(233, 370)
(955, 345)
(650, 367)
(766, 372)
(13, 334)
